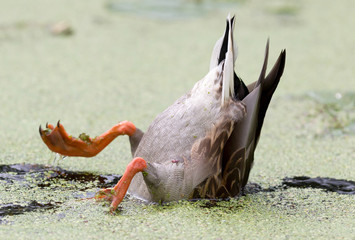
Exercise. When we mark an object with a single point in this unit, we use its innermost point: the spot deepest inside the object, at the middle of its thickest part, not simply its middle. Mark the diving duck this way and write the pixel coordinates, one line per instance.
(202, 146)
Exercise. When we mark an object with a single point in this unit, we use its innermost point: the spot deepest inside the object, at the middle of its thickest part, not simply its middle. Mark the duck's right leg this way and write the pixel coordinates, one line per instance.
(116, 194)
(59, 141)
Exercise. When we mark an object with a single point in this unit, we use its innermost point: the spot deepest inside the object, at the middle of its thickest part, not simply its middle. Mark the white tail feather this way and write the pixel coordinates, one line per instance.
(215, 53)
(217, 49)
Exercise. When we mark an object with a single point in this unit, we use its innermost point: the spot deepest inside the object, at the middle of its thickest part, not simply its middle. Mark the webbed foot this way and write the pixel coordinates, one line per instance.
(59, 141)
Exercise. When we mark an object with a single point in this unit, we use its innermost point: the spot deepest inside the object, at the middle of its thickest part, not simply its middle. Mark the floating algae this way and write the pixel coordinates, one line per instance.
(333, 114)
(34, 176)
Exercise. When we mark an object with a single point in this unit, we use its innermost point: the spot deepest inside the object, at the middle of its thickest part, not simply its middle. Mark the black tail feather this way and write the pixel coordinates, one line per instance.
(240, 88)
(269, 86)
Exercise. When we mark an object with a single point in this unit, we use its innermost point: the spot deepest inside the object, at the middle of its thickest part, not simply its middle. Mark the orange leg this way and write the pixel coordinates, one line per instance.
(116, 194)
(59, 141)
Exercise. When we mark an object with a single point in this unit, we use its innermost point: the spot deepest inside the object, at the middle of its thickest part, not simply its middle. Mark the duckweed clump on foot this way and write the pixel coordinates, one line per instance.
(85, 137)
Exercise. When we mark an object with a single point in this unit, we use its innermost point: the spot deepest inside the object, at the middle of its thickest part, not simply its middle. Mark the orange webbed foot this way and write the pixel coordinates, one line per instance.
(115, 195)
(59, 141)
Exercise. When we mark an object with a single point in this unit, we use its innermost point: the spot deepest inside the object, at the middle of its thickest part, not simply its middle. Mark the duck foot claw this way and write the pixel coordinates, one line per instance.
(59, 141)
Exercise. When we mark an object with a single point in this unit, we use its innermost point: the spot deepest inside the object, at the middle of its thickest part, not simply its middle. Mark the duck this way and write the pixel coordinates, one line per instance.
(202, 146)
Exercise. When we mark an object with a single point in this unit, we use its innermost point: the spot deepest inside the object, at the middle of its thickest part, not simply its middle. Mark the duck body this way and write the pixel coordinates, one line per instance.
(227, 131)
(168, 143)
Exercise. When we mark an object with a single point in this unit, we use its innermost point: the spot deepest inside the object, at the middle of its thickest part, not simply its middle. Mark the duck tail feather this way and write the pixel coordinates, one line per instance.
(219, 48)
(269, 85)
(228, 71)
(263, 70)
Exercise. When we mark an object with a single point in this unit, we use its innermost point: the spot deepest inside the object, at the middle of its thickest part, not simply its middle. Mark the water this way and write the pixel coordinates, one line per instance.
(32, 176)
(168, 10)
(329, 184)
(47, 177)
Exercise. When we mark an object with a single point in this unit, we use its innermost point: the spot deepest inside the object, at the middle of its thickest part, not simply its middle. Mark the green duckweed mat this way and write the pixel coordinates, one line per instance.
(93, 63)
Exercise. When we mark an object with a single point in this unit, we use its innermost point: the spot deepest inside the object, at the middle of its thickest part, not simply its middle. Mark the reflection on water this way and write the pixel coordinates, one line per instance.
(168, 10)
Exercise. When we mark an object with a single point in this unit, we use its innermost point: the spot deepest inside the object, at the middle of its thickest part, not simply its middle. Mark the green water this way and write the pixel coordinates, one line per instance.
(126, 65)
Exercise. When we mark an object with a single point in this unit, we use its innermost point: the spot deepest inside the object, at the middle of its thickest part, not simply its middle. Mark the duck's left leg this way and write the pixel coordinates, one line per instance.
(117, 193)
(59, 141)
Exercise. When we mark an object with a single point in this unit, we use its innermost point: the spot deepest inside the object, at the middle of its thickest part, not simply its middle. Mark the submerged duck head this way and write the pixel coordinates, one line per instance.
(202, 146)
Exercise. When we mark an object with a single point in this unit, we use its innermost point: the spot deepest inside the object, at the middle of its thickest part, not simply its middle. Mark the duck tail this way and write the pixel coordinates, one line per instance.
(269, 85)
(221, 46)
(229, 58)
(226, 50)
(263, 70)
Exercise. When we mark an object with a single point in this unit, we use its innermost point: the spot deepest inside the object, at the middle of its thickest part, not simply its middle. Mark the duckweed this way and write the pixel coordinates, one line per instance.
(335, 112)
(86, 138)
